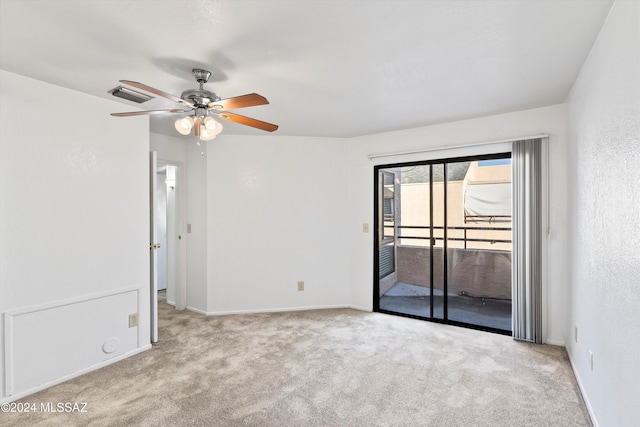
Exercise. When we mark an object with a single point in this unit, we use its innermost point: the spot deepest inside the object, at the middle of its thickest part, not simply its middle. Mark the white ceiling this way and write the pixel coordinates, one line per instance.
(329, 68)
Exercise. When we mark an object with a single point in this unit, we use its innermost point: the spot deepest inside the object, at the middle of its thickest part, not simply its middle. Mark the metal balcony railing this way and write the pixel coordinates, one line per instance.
(465, 237)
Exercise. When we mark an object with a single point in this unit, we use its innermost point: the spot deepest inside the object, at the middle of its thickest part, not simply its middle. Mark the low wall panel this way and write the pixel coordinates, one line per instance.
(41, 343)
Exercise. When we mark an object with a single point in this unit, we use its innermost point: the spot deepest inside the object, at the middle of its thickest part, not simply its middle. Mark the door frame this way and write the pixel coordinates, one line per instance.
(153, 246)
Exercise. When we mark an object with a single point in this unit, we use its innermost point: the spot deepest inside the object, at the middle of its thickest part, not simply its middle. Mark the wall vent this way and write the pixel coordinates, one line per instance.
(130, 94)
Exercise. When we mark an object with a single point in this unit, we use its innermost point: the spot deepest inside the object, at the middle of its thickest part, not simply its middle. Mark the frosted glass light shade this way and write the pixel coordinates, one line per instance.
(206, 134)
(184, 125)
(212, 126)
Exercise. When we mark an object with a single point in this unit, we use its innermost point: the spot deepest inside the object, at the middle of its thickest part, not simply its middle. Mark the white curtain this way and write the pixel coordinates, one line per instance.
(526, 280)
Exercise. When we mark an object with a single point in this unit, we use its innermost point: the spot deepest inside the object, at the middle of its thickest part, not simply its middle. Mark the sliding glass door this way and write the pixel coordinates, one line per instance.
(448, 223)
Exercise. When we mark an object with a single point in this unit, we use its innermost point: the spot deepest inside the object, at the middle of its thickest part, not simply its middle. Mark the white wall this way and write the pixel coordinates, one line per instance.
(277, 213)
(73, 230)
(548, 120)
(604, 201)
(197, 196)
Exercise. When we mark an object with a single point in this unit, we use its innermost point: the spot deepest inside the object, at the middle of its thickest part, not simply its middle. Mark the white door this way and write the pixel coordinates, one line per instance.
(153, 245)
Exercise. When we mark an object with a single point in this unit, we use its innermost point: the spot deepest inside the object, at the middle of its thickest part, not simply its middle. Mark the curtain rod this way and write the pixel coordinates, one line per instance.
(474, 144)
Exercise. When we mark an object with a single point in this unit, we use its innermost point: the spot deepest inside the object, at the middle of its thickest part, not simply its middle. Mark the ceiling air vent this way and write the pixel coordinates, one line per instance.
(130, 95)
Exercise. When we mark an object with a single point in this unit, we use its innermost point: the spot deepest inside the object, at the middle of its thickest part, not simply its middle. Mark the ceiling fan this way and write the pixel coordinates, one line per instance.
(201, 105)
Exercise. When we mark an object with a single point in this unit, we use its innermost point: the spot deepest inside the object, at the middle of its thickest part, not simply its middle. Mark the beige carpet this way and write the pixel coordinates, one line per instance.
(322, 368)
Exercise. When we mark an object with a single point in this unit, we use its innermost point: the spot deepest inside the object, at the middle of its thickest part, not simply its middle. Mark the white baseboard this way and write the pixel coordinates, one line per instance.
(594, 420)
(268, 310)
(361, 308)
(278, 310)
(74, 375)
(559, 343)
(197, 310)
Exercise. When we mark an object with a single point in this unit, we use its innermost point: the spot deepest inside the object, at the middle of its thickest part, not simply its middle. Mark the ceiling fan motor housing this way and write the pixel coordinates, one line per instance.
(200, 97)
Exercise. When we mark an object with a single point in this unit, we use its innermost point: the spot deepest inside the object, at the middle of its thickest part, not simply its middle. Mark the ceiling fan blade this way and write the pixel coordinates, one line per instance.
(237, 118)
(158, 92)
(149, 112)
(241, 101)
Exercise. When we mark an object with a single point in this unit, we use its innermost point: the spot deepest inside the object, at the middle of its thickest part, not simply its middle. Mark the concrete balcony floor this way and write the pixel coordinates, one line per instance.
(414, 300)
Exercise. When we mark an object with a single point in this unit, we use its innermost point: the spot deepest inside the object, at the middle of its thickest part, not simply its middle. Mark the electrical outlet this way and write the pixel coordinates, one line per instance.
(591, 360)
(575, 333)
(301, 285)
(365, 227)
(133, 320)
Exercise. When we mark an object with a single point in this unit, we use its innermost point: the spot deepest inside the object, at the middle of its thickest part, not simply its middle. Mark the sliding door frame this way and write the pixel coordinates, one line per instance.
(377, 224)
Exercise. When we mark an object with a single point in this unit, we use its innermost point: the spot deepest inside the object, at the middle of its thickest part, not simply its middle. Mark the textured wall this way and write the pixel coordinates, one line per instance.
(604, 204)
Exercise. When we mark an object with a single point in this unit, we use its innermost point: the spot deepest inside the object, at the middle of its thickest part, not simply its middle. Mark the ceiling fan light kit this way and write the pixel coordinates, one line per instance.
(209, 128)
(201, 105)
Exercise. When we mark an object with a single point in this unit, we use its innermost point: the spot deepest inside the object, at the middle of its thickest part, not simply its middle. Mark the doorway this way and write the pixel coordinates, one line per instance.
(168, 237)
(168, 230)
(445, 225)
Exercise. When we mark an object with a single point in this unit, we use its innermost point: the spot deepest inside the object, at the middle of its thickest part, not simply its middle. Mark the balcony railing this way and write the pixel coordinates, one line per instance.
(465, 237)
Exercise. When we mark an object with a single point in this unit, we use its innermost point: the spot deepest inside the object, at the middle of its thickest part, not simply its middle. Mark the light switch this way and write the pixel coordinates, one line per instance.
(188, 228)
(365, 227)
